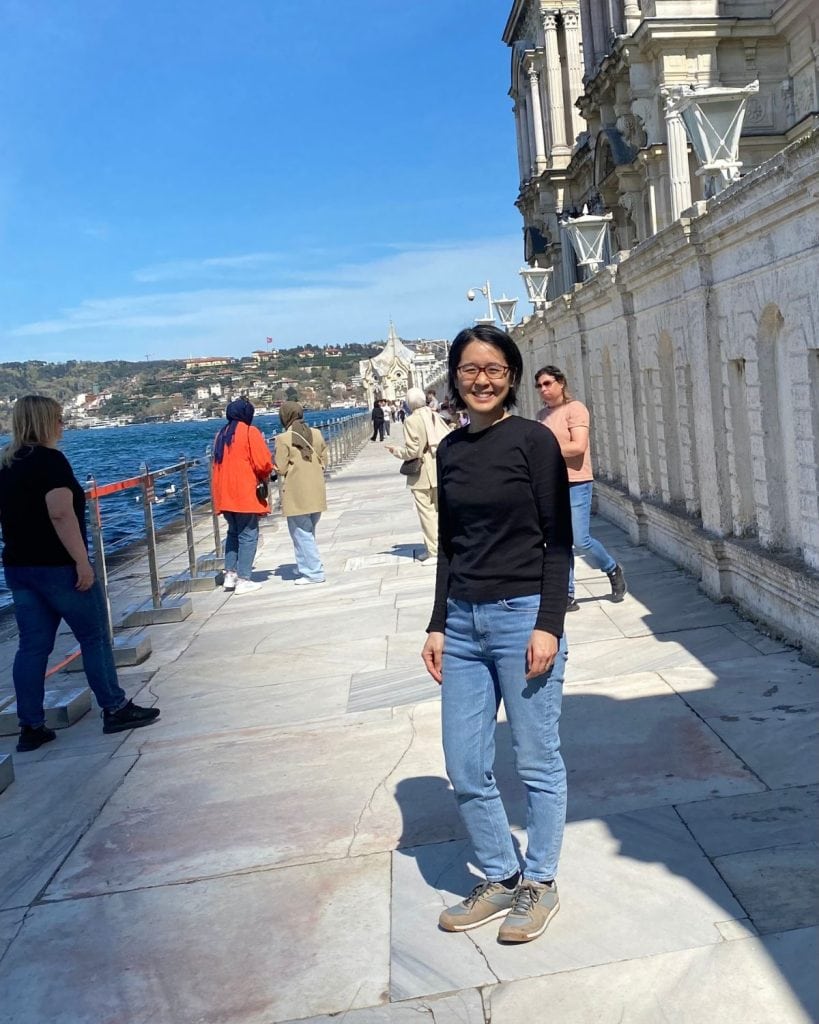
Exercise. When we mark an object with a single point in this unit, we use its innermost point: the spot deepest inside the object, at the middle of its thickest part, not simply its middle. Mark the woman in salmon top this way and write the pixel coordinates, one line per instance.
(241, 459)
(568, 420)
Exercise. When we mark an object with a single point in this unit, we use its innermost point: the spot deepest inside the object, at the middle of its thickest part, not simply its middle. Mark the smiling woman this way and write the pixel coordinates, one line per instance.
(496, 631)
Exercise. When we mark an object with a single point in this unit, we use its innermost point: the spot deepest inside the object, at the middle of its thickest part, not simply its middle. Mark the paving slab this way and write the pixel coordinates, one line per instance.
(391, 688)
(755, 981)
(661, 603)
(316, 659)
(219, 710)
(778, 886)
(757, 821)
(746, 684)
(702, 646)
(760, 738)
(636, 745)
(266, 797)
(636, 865)
(458, 1008)
(250, 949)
(44, 813)
(10, 922)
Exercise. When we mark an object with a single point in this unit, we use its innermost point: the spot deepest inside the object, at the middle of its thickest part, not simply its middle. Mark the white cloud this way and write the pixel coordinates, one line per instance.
(186, 270)
(421, 288)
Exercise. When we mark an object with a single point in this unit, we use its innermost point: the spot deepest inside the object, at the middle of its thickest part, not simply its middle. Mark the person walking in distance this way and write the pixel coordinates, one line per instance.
(378, 421)
(496, 631)
(45, 559)
(301, 458)
(569, 421)
(423, 432)
(241, 460)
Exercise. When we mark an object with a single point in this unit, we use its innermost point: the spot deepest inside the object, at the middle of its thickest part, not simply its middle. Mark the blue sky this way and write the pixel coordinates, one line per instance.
(189, 177)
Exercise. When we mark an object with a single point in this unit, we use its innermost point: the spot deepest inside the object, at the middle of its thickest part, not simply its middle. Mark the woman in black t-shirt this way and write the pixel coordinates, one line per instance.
(45, 560)
(496, 631)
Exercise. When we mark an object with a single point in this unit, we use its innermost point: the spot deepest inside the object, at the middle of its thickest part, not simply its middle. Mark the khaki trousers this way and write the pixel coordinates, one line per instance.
(426, 504)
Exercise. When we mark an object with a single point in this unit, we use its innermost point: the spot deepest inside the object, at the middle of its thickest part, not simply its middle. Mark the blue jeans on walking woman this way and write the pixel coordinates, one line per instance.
(580, 496)
(484, 662)
(303, 534)
(241, 542)
(43, 595)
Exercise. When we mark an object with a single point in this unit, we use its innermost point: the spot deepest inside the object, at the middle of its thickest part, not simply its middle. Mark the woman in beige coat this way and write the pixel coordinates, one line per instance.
(423, 430)
(301, 457)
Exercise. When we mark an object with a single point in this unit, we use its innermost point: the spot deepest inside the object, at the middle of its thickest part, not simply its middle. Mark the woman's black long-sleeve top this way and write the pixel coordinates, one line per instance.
(504, 520)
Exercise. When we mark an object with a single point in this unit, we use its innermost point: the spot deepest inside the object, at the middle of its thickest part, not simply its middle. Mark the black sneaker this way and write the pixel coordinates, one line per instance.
(618, 583)
(131, 716)
(572, 605)
(32, 737)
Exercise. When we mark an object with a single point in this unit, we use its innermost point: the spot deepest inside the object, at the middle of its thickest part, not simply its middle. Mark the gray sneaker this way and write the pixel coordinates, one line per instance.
(534, 906)
(486, 902)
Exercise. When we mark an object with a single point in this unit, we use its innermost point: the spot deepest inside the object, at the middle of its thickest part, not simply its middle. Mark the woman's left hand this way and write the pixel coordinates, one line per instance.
(540, 653)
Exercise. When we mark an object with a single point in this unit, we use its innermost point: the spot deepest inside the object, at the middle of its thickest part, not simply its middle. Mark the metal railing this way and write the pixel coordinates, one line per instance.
(148, 563)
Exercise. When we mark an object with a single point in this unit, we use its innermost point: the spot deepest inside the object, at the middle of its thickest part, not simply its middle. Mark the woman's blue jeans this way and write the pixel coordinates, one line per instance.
(303, 534)
(592, 550)
(485, 662)
(241, 542)
(43, 595)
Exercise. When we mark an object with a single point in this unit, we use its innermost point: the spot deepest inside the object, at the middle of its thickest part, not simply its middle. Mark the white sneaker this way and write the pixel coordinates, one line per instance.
(246, 587)
(230, 581)
(304, 581)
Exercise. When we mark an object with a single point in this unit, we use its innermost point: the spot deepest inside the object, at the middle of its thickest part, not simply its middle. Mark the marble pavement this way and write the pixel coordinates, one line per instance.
(278, 846)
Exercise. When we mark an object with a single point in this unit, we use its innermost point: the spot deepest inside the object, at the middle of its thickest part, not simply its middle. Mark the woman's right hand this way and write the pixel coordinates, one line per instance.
(433, 655)
(85, 575)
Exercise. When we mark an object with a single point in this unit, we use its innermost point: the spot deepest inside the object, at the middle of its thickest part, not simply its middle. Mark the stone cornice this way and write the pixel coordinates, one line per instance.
(516, 14)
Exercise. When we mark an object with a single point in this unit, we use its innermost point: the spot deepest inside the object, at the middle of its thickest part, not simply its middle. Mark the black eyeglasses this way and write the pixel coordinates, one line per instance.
(494, 371)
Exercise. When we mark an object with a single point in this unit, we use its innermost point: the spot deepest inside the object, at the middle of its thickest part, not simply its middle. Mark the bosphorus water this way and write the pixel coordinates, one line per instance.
(115, 453)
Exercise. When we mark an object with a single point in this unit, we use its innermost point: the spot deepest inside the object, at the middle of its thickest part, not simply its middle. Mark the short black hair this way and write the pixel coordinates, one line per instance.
(489, 335)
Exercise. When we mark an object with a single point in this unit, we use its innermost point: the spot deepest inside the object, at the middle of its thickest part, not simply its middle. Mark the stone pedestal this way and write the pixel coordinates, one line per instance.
(130, 648)
(172, 609)
(63, 707)
(184, 583)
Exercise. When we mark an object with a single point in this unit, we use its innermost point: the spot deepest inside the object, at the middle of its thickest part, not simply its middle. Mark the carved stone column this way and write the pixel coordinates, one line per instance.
(523, 167)
(631, 16)
(537, 119)
(574, 62)
(525, 138)
(657, 214)
(678, 173)
(557, 112)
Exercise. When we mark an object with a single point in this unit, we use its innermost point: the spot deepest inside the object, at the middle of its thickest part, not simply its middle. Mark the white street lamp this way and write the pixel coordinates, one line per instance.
(537, 280)
(587, 233)
(506, 310)
(487, 292)
(713, 118)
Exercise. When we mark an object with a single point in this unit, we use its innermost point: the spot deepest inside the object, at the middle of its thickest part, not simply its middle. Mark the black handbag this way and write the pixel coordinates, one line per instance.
(410, 467)
(262, 490)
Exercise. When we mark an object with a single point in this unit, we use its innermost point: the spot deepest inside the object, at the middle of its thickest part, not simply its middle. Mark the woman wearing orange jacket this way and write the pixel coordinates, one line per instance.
(241, 460)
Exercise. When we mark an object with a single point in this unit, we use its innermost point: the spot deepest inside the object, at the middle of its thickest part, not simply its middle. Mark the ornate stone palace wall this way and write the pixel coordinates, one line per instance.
(697, 355)
(696, 347)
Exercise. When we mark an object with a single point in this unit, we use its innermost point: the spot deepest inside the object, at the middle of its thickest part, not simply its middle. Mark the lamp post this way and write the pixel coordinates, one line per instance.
(587, 233)
(505, 308)
(486, 291)
(537, 280)
(713, 117)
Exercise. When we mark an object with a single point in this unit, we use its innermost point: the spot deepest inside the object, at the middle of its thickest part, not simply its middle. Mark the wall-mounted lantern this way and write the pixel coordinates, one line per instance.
(505, 308)
(587, 233)
(537, 280)
(713, 117)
